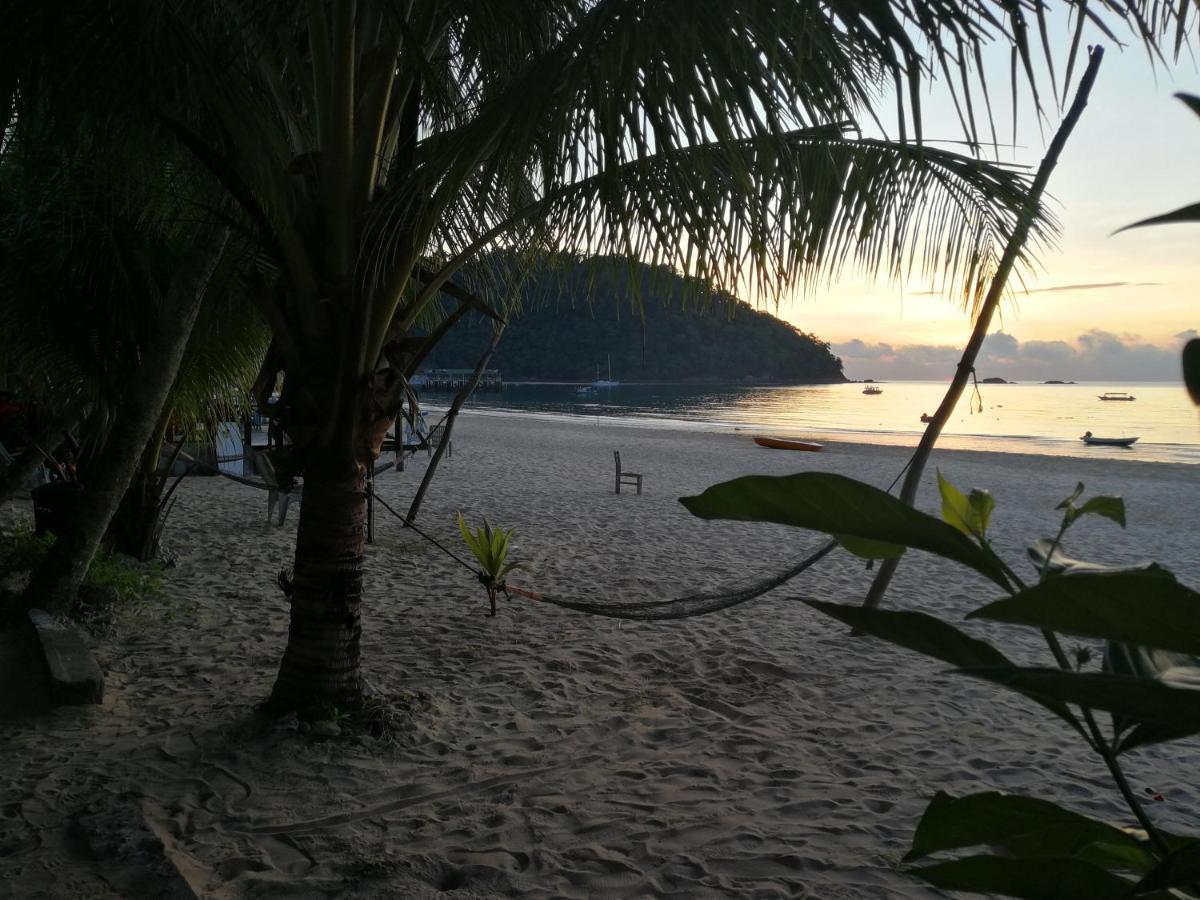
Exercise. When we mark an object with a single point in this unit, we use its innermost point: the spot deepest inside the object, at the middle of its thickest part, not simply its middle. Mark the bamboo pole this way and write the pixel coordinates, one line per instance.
(457, 404)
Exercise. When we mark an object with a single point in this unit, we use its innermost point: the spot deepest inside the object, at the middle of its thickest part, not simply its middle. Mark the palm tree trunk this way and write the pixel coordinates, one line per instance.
(55, 584)
(320, 667)
(966, 365)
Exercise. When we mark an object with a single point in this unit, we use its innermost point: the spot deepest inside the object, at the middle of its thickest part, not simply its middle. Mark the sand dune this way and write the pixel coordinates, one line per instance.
(758, 752)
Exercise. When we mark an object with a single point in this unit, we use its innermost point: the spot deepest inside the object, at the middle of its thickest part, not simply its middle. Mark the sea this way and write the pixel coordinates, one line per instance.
(1009, 418)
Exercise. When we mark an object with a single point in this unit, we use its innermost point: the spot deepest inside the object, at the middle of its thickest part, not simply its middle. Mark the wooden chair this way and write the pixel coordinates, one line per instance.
(626, 477)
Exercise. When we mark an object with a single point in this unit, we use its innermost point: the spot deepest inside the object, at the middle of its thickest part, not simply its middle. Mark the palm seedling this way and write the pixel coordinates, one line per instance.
(490, 547)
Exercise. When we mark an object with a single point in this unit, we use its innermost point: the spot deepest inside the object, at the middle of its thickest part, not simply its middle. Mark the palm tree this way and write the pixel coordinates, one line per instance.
(96, 308)
(380, 147)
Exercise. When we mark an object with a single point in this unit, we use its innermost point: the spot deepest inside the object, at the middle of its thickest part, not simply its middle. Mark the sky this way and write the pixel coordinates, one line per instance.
(1100, 306)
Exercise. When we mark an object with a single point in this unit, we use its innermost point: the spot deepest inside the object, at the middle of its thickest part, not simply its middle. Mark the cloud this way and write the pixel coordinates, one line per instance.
(1055, 288)
(1095, 355)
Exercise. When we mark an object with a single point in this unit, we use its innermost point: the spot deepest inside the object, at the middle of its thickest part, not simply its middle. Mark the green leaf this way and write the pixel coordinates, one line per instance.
(1179, 670)
(1030, 879)
(1140, 699)
(1109, 507)
(1025, 827)
(969, 514)
(1180, 869)
(930, 636)
(1192, 101)
(841, 506)
(982, 503)
(1145, 607)
(1189, 213)
(1069, 502)
(867, 549)
(1191, 369)
(956, 511)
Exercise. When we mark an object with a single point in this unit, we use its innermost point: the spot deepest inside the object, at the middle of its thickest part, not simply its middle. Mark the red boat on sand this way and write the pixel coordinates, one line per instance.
(787, 444)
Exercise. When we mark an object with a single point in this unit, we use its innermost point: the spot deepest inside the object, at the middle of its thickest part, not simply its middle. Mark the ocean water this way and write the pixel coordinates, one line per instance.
(1015, 418)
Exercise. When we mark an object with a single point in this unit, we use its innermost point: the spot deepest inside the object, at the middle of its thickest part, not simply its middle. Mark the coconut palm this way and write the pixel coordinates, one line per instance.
(379, 147)
(93, 247)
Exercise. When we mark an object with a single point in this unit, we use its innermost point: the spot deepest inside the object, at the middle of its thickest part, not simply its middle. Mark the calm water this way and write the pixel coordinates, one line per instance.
(1016, 418)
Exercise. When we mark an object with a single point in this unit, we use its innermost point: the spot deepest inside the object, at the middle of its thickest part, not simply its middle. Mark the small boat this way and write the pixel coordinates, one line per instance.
(1089, 438)
(1117, 395)
(926, 417)
(605, 382)
(787, 444)
(585, 389)
(872, 389)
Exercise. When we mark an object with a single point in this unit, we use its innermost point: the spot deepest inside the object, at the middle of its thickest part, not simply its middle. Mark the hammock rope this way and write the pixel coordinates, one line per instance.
(647, 610)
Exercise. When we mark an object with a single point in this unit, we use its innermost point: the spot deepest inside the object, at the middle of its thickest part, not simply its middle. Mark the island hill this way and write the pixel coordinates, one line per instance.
(578, 315)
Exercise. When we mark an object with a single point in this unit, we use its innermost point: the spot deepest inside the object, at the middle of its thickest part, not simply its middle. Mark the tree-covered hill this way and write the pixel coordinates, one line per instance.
(577, 314)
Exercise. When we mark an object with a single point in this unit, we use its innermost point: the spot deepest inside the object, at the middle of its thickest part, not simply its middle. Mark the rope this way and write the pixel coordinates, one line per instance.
(458, 559)
(647, 610)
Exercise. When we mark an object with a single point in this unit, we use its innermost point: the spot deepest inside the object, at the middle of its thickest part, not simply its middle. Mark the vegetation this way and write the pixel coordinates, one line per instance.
(490, 548)
(1185, 214)
(374, 150)
(654, 324)
(112, 579)
(1150, 621)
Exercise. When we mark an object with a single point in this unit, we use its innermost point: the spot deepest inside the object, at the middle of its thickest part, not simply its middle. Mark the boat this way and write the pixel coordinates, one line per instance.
(787, 444)
(585, 389)
(1091, 439)
(1117, 395)
(872, 389)
(926, 417)
(605, 382)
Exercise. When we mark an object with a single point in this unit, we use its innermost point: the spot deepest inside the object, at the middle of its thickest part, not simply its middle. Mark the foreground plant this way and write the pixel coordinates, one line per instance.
(490, 548)
(1151, 624)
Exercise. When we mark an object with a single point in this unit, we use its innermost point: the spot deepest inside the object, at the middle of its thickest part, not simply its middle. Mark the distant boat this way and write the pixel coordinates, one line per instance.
(585, 389)
(1117, 395)
(1089, 438)
(926, 417)
(605, 382)
(787, 444)
(872, 389)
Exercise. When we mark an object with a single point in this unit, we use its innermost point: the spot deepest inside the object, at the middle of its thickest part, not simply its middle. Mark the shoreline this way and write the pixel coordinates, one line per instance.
(542, 753)
(1012, 445)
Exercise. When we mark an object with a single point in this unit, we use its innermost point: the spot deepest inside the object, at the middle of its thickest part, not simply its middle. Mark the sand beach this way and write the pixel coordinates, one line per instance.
(756, 752)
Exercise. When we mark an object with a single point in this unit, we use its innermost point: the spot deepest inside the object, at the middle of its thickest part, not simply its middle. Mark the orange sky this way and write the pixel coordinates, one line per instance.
(1132, 155)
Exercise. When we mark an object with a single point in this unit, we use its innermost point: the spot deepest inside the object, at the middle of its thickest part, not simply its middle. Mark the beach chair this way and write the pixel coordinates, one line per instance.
(633, 478)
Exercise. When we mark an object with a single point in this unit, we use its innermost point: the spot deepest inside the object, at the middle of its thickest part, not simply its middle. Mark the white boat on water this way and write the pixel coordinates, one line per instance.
(605, 382)
(1117, 395)
(872, 389)
(1091, 439)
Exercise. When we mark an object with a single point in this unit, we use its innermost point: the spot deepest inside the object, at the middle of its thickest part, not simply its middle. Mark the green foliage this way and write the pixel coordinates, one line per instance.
(843, 508)
(969, 514)
(1031, 879)
(1151, 685)
(1191, 369)
(490, 548)
(1148, 607)
(1026, 827)
(655, 325)
(21, 551)
(1108, 507)
(1189, 213)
